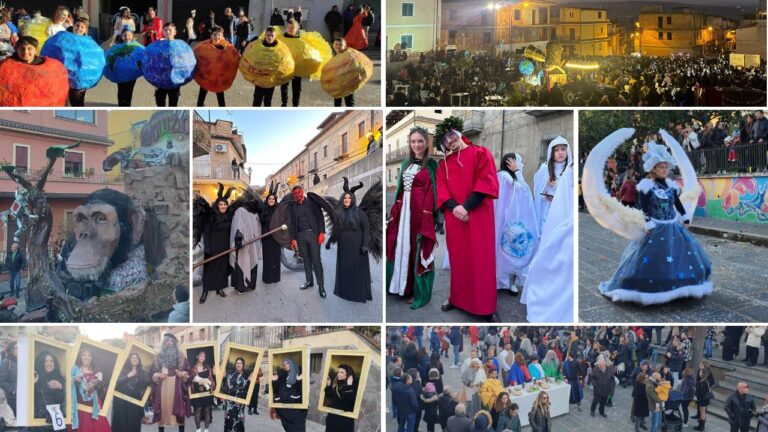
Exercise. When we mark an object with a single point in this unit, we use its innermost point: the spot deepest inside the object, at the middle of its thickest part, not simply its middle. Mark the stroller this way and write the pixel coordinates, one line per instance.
(672, 416)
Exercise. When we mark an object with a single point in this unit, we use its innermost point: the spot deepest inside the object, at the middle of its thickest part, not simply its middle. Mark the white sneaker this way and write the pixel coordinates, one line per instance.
(454, 367)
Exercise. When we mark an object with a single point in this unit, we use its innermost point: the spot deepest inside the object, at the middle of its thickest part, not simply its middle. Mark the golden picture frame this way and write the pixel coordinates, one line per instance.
(147, 356)
(61, 352)
(103, 354)
(301, 356)
(190, 352)
(253, 358)
(360, 361)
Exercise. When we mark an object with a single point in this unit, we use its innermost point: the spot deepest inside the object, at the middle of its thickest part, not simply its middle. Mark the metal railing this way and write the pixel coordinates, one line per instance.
(68, 176)
(748, 158)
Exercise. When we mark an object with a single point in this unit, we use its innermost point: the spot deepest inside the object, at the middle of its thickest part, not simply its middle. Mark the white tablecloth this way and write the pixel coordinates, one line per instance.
(559, 394)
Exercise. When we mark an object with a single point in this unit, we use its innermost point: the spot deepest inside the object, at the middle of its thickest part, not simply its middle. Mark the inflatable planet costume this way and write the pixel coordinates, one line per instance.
(168, 64)
(216, 66)
(346, 73)
(36, 27)
(267, 66)
(81, 55)
(309, 51)
(28, 85)
(123, 62)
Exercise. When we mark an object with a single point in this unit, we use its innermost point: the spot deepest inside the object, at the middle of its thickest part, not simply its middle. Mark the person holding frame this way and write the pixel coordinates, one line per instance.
(92, 383)
(346, 373)
(288, 390)
(237, 376)
(132, 389)
(203, 385)
(170, 378)
(48, 378)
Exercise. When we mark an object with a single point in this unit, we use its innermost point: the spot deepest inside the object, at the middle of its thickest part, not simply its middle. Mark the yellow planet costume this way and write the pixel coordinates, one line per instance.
(266, 66)
(309, 51)
(346, 73)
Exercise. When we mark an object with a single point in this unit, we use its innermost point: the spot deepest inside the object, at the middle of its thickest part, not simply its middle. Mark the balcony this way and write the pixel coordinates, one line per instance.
(88, 176)
(473, 122)
(397, 155)
(340, 154)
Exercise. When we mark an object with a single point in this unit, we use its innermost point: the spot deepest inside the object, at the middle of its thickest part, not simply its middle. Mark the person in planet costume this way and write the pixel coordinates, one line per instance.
(34, 80)
(218, 41)
(127, 50)
(339, 46)
(172, 95)
(291, 31)
(263, 95)
(77, 96)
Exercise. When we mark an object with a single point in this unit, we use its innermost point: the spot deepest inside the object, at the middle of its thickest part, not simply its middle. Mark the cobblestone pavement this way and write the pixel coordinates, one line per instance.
(740, 295)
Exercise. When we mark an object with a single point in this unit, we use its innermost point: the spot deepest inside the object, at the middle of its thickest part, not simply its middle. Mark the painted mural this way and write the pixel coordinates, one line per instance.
(743, 199)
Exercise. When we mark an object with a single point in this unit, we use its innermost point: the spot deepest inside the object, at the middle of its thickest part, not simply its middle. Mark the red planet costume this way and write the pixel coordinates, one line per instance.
(471, 245)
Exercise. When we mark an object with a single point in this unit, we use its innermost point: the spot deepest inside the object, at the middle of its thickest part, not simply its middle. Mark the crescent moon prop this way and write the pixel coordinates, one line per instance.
(691, 189)
(606, 210)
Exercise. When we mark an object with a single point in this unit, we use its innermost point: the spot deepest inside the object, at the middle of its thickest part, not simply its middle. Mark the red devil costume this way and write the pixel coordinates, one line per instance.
(307, 229)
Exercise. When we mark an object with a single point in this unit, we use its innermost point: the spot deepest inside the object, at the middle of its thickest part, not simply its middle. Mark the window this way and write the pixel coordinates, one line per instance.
(572, 34)
(669, 35)
(602, 29)
(389, 176)
(202, 334)
(487, 37)
(661, 22)
(314, 162)
(21, 158)
(361, 129)
(661, 35)
(533, 16)
(406, 41)
(453, 14)
(517, 15)
(599, 15)
(570, 14)
(74, 164)
(438, 111)
(344, 143)
(69, 218)
(325, 151)
(452, 37)
(669, 20)
(79, 116)
(406, 9)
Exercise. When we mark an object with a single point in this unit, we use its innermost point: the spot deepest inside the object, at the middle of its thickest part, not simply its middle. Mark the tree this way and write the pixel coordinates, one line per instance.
(554, 53)
(699, 334)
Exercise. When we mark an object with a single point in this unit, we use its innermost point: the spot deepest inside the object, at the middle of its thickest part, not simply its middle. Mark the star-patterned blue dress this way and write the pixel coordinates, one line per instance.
(668, 262)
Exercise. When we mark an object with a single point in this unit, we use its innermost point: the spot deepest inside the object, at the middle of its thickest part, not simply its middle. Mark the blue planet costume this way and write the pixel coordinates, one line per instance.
(123, 67)
(667, 263)
(168, 65)
(82, 57)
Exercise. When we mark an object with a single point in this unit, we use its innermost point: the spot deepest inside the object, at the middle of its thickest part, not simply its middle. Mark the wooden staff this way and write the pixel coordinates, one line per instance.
(230, 250)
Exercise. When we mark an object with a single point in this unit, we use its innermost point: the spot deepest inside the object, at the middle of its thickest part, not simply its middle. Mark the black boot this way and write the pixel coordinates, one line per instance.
(250, 411)
(221, 293)
(447, 306)
(203, 297)
(700, 427)
(322, 291)
(306, 285)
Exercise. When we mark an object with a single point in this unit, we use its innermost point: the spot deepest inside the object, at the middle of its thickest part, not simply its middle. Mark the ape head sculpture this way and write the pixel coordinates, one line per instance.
(109, 247)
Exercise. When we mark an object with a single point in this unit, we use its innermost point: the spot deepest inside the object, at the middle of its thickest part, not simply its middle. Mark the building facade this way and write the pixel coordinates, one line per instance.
(584, 32)
(226, 145)
(342, 140)
(678, 31)
(413, 24)
(26, 135)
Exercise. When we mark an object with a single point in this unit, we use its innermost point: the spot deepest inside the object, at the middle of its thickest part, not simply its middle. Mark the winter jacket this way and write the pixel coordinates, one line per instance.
(754, 335)
(640, 400)
(650, 394)
(662, 390)
(404, 398)
(539, 422)
(601, 381)
(739, 409)
(688, 387)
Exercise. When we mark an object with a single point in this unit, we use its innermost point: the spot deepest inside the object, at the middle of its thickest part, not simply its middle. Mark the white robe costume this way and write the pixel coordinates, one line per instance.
(548, 291)
(248, 257)
(517, 229)
(541, 181)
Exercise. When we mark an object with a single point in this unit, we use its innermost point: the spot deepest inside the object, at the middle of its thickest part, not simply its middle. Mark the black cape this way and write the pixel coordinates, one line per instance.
(353, 270)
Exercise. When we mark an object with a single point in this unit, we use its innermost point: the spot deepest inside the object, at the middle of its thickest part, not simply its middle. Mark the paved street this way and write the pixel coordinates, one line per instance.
(284, 302)
(260, 422)
(399, 311)
(574, 421)
(740, 295)
(241, 92)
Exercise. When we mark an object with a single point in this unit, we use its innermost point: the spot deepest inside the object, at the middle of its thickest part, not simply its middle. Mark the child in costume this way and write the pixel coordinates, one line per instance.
(666, 262)
(291, 31)
(517, 229)
(216, 66)
(339, 46)
(124, 66)
(77, 96)
(32, 80)
(546, 178)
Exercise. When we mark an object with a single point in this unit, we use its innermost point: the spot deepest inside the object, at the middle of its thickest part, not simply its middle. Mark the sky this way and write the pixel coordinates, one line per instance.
(110, 331)
(272, 137)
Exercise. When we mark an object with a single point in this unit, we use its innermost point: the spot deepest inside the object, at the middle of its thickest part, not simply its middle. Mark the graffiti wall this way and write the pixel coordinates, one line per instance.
(743, 199)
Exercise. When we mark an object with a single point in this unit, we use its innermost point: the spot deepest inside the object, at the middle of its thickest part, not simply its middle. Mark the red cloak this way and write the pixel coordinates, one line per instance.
(471, 245)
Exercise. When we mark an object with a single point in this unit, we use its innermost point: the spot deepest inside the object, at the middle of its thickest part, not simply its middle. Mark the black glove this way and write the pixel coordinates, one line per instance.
(363, 250)
(328, 245)
(238, 239)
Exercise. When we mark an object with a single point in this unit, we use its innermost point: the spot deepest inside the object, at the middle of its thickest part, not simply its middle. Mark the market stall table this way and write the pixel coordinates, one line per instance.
(460, 97)
(559, 395)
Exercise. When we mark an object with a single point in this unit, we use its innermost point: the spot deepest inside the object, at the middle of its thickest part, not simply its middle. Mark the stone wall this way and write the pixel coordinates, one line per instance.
(165, 190)
(367, 170)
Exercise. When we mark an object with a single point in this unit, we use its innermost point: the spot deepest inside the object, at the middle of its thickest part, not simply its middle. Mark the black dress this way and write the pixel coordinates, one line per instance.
(270, 249)
(216, 273)
(126, 417)
(48, 396)
(342, 398)
(353, 270)
(202, 402)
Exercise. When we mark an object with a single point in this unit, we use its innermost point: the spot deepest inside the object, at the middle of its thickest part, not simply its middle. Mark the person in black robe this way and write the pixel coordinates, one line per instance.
(341, 393)
(49, 386)
(132, 381)
(353, 271)
(287, 389)
(253, 404)
(216, 240)
(731, 342)
(270, 248)
(571, 371)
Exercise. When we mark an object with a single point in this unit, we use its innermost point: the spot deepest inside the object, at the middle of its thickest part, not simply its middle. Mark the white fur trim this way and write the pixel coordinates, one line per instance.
(644, 185)
(645, 299)
(650, 225)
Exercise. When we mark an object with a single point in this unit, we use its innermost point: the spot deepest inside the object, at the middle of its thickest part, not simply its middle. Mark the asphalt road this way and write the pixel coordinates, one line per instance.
(284, 302)
(240, 94)
(740, 287)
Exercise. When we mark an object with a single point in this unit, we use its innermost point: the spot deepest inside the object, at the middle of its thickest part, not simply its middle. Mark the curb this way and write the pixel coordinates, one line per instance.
(739, 236)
